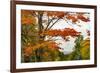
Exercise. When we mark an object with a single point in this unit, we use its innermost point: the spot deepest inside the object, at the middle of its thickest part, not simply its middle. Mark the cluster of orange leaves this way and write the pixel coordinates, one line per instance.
(28, 50)
(76, 17)
(63, 33)
(27, 18)
(55, 14)
(73, 17)
(49, 44)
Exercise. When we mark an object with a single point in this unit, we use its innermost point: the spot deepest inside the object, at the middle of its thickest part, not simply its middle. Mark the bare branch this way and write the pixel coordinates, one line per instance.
(49, 23)
(51, 20)
(54, 23)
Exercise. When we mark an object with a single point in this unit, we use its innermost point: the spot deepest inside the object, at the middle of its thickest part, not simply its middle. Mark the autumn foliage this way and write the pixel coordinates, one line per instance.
(63, 33)
(37, 25)
(76, 17)
(27, 17)
(56, 14)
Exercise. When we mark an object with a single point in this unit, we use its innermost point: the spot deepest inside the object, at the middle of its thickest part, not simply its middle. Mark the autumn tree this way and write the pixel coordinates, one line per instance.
(43, 21)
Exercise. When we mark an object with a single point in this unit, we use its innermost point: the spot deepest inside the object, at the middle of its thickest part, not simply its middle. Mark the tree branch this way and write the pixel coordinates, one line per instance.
(54, 23)
(51, 20)
(49, 23)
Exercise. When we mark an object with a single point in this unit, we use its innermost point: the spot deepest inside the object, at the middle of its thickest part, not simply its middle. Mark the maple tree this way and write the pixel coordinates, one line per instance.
(36, 25)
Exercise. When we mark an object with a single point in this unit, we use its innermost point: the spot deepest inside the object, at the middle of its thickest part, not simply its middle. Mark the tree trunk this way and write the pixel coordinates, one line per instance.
(40, 27)
(40, 38)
